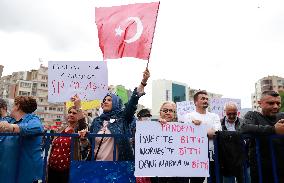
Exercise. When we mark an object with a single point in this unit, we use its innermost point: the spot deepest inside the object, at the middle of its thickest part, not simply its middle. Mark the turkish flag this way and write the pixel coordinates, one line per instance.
(127, 30)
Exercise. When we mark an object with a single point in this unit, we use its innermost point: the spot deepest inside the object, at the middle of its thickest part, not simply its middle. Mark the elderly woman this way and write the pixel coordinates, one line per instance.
(114, 120)
(168, 114)
(60, 155)
(20, 156)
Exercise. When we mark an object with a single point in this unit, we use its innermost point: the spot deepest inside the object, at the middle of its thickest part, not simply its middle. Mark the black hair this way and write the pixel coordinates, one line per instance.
(270, 93)
(3, 104)
(195, 96)
(144, 113)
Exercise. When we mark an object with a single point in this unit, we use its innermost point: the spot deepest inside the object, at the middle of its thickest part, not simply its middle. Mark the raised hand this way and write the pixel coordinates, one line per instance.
(146, 75)
(77, 101)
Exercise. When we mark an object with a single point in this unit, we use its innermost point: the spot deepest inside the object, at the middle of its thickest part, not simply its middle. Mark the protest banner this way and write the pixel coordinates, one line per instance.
(89, 80)
(183, 108)
(172, 149)
(217, 105)
(86, 105)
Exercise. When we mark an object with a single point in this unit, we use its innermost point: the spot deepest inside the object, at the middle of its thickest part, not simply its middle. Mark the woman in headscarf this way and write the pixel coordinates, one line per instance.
(114, 120)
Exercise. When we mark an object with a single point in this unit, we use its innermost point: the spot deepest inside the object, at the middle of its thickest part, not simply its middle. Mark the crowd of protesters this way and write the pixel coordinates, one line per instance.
(239, 158)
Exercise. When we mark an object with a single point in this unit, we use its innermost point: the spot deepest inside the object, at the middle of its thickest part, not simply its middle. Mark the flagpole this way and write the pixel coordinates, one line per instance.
(153, 32)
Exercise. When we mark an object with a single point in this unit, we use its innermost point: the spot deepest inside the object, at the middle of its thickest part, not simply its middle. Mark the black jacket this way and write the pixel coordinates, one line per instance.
(261, 127)
(231, 150)
(237, 124)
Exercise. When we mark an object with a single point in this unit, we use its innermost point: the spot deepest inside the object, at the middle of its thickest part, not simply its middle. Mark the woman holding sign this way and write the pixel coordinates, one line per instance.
(114, 120)
(168, 114)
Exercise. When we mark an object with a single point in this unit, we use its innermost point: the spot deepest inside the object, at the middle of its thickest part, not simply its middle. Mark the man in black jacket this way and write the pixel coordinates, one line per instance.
(231, 121)
(231, 145)
(267, 122)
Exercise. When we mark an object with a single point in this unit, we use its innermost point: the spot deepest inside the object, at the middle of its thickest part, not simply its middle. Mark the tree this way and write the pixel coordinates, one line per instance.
(282, 101)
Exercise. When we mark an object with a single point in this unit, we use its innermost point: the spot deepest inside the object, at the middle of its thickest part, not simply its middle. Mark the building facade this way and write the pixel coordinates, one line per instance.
(167, 90)
(267, 83)
(33, 83)
(1, 70)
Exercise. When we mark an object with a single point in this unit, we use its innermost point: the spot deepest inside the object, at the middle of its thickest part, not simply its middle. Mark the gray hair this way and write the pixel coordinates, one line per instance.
(169, 102)
(230, 104)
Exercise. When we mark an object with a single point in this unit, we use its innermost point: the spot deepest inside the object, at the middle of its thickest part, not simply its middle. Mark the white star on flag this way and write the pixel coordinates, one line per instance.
(118, 31)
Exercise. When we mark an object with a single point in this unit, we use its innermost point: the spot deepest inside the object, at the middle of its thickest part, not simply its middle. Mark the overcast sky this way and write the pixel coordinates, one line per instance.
(223, 46)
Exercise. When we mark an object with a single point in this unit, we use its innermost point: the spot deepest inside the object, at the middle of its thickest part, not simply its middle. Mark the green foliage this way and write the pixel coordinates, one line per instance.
(282, 101)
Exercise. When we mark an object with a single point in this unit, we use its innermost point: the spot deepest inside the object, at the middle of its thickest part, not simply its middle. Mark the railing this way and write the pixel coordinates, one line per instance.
(258, 158)
(90, 136)
(47, 143)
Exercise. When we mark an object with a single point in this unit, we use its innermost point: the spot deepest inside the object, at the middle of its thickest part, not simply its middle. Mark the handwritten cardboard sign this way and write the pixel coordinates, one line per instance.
(170, 150)
(89, 80)
(184, 108)
(217, 105)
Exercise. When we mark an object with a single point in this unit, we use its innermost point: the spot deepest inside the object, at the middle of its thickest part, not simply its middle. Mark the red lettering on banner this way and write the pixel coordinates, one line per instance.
(57, 85)
(191, 139)
(189, 151)
(177, 128)
(200, 165)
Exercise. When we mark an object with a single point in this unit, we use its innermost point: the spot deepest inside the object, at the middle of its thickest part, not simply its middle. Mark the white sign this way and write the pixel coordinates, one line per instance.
(217, 105)
(184, 108)
(89, 80)
(171, 150)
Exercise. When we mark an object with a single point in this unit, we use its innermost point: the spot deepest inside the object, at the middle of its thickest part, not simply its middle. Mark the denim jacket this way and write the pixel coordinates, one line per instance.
(21, 156)
(121, 125)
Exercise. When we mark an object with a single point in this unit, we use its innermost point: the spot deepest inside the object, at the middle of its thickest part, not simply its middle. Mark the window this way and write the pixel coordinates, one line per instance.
(280, 82)
(167, 95)
(60, 109)
(44, 85)
(24, 93)
(25, 85)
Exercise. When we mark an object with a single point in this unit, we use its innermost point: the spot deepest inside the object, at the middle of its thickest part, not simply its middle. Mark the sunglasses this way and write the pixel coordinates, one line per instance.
(167, 110)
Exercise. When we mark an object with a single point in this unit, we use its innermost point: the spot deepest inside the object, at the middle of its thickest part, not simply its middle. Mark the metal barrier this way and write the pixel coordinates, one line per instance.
(89, 135)
(258, 158)
(47, 143)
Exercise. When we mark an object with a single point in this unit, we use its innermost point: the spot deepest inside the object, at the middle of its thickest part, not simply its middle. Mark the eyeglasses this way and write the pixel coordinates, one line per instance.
(72, 112)
(167, 110)
(232, 114)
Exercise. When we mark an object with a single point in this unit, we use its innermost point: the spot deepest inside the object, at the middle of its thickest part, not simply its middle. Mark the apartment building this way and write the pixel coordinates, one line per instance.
(275, 83)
